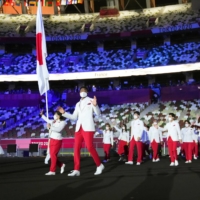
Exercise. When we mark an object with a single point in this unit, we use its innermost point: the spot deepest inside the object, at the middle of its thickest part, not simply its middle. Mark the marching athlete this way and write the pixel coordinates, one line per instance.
(123, 142)
(173, 137)
(155, 136)
(85, 129)
(56, 127)
(187, 138)
(137, 128)
(107, 142)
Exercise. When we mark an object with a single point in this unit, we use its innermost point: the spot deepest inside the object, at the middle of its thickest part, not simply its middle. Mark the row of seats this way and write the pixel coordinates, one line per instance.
(115, 115)
(35, 126)
(15, 114)
(107, 60)
(64, 25)
(184, 110)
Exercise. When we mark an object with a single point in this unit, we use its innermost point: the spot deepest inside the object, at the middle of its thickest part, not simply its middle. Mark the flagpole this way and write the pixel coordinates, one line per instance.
(46, 94)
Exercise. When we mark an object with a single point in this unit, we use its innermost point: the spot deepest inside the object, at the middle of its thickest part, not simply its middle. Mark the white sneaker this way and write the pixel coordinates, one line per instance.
(99, 170)
(153, 160)
(195, 157)
(137, 163)
(176, 162)
(129, 163)
(187, 161)
(62, 169)
(74, 173)
(50, 173)
(157, 160)
(172, 164)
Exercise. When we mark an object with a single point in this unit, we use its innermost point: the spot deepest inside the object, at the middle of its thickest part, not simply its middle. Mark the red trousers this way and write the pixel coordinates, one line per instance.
(138, 144)
(154, 146)
(195, 149)
(87, 136)
(172, 146)
(182, 149)
(188, 146)
(54, 147)
(106, 148)
(122, 147)
(145, 149)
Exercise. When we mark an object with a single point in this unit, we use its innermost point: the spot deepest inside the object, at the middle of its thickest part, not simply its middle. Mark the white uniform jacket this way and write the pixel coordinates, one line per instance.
(124, 135)
(83, 113)
(137, 127)
(56, 129)
(155, 134)
(187, 134)
(108, 137)
(196, 135)
(174, 131)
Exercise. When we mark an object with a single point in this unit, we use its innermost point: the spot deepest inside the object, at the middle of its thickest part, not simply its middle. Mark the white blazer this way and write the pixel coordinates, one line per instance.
(174, 131)
(137, 127)
(187, 134)
(56, 129)
(83, 113)
(195, 137)
(155, 134)
(108, 137)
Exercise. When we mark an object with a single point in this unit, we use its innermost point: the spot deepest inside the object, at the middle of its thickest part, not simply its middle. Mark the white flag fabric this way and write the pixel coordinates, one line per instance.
(41, 69)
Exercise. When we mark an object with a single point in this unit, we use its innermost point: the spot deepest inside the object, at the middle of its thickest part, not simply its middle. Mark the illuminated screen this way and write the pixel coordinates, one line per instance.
(74, 2)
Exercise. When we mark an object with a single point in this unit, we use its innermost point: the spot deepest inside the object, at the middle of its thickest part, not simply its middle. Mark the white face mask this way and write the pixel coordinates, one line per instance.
(107, 128)
(186, 125)
(55, 117)
(83, 94)
(155, 123)
(135, 116)
(170, 119)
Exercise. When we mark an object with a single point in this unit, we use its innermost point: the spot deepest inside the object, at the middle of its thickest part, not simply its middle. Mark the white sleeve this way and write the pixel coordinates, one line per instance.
(160, 134)
(118, 129)
(46, 119)
(73, 116)
(119, 138)
(165, 128)
(127, 137)
(150, 133)
(141, 128)
(59, 128)
(111, 137)
(178, 130)
(96, 110)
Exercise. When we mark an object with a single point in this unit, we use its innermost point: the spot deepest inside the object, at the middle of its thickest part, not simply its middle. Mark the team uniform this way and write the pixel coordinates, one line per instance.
(173, 136)
(195, 148)
(85, 129)
(55, 143)
(187, 139)
(107, 143)
(123, 143)
(155, 136)
(137, 128)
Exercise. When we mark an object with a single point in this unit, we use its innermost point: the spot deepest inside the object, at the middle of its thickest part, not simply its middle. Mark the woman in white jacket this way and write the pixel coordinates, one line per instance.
(123, 142)
(187, 138)
(196, 134)
(107, 141)
(155, 136)
(55, 127)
